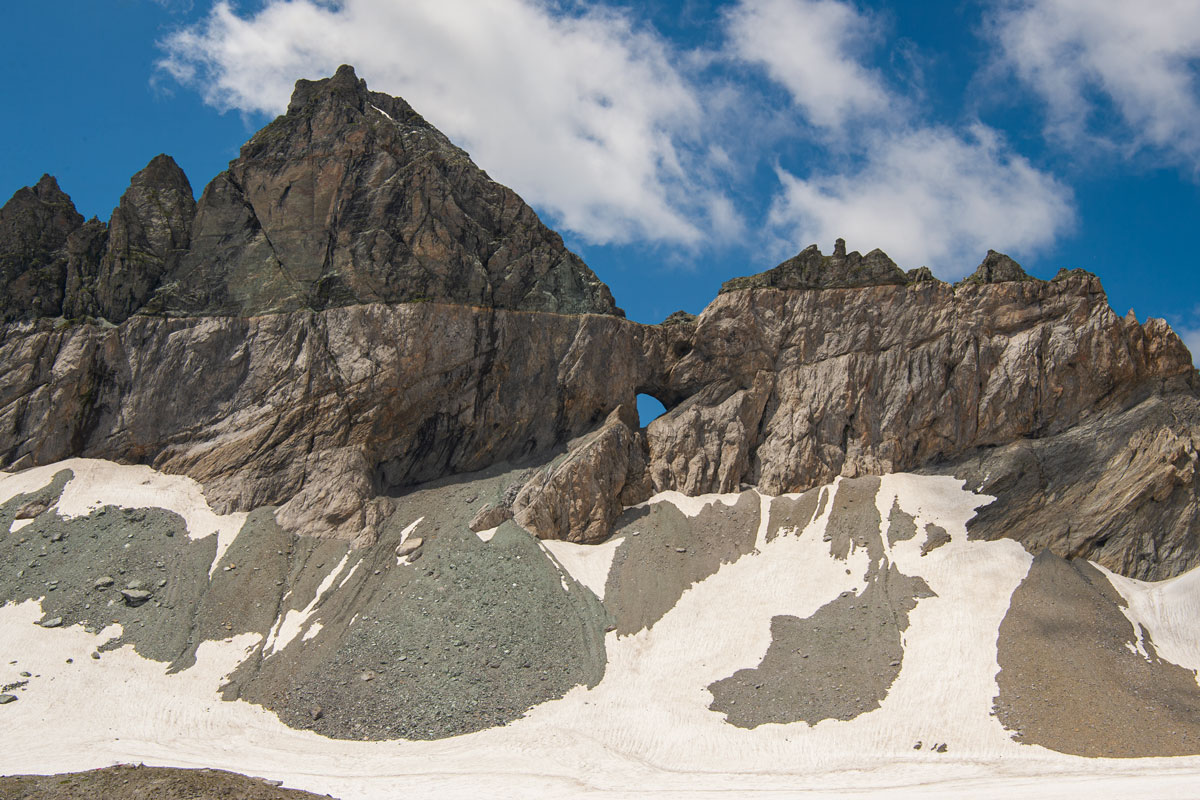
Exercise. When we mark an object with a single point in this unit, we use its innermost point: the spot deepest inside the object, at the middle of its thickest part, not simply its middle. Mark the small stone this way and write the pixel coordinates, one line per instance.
(680, 549)
(409, 546)
(316, 713)
(103, 582)
(941, 748)
(894, 662)
(54, 622)
(70, 661)
(162, 583)
(95, 656)
(5, 699)
(26, 675)
(134, 584)
(135, 597)
(917, 746)
(367, 676)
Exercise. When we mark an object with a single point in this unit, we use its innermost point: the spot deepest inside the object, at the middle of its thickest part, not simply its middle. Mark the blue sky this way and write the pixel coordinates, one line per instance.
(678, 144)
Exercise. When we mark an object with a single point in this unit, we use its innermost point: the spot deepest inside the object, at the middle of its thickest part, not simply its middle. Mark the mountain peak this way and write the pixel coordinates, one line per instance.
(345, 85)
(352, 197)
(998, 268)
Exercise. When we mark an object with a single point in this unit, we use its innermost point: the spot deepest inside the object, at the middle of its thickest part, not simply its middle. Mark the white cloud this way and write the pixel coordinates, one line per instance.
(1082, 55)
(584, 114)
(809, 47)
(928, 196)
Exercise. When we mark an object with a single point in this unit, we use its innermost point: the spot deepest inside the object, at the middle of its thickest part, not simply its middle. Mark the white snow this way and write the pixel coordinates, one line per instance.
(381, 111)
(587, 563)
(690, 506)
(293, 622)
(404, 534)
(17, 524)
(645, 730)
(1169, 610)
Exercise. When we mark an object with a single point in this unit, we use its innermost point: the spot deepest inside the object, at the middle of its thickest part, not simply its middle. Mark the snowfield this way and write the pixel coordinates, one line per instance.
(646, 730)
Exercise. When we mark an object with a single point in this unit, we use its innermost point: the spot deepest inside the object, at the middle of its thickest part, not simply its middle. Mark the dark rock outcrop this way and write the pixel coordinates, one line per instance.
(352, 197)
(148, 233)
(997, 268)
(811, 269)
(34, 227)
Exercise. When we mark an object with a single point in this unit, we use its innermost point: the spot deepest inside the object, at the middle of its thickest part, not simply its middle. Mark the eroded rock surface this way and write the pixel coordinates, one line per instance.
(147, 235)
(34, 227)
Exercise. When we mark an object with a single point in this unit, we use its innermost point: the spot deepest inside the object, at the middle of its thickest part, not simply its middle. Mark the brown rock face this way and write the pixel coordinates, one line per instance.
(316, 411)
(580, 498)
(787, 389)
(351, 197)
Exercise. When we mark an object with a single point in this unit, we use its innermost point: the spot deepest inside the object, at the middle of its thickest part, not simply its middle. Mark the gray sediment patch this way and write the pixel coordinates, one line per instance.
(470, 636)
(670, 552)
(136, 782)
(789, 513)
(854, 521)
(935, 537)
(45, 497)
(60, 561)
(901, 526)
(837, 664)
(1069, 680)
(840, 662)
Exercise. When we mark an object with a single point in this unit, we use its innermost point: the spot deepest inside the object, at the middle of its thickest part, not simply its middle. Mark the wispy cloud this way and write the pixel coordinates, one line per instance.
(929, 196)
(1088, 58)
(810, 47)
(585, 113)
(926, 194)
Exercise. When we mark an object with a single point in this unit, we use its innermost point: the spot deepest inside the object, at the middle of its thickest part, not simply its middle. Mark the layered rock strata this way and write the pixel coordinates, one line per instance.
(356, 308)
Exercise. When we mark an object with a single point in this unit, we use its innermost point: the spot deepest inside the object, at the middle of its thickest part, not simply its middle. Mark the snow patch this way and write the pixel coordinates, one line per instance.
(289, 626)
(691, 506)
(588, 564)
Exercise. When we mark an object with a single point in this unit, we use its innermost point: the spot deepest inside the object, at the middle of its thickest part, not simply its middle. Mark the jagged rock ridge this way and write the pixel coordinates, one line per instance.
(349, 209)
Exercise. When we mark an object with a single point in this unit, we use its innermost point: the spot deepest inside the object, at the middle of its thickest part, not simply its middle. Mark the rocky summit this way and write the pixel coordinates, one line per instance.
(348, 450)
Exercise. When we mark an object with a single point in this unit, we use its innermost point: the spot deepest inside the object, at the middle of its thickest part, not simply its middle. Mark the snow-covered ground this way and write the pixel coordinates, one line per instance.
(646, 729)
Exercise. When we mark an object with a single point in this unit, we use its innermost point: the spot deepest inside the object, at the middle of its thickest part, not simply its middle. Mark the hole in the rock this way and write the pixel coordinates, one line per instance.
(649, 409)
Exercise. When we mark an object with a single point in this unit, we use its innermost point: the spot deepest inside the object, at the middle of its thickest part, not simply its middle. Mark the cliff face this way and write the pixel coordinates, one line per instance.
(355, 308)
